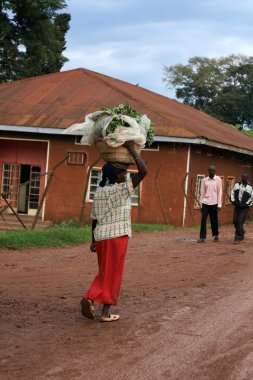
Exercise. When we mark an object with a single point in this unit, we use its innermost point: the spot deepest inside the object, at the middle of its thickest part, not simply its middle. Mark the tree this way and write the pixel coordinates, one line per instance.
(221, 87)
(32, 38)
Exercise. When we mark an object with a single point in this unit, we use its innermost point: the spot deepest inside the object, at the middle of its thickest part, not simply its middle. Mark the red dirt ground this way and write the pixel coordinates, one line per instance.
(186, 312)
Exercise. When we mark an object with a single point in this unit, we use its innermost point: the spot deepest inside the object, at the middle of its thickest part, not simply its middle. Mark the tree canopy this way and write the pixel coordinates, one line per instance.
(222, 87)
(32, 37)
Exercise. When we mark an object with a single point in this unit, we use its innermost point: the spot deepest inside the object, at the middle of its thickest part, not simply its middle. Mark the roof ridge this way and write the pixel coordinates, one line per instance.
(40, 76)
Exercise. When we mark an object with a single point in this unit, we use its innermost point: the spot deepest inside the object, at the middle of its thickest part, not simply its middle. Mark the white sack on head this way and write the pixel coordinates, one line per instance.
(95, 128)
(90, 135)
(145, 122)
(79, 127)
(83, 129)
(95, 115)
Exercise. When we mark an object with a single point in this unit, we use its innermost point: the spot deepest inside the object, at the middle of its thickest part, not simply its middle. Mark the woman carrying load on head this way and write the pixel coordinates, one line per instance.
(111, 229)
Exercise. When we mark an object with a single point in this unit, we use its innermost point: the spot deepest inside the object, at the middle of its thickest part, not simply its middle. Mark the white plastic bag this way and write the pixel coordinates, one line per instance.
(96, 124)
(123, 134)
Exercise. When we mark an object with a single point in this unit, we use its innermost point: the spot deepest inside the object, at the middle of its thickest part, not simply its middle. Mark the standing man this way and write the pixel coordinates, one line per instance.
(242, 198)
(210, 201)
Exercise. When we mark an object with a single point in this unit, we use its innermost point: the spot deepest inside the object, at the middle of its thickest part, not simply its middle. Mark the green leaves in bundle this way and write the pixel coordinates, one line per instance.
(123, 109)
(126, 109)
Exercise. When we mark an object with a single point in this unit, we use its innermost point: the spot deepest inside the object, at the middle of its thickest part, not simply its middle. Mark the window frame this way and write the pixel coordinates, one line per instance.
(222, 186)
(10, 188)
(227, 195)
(88, 193)
(78, 139)
(156, 149)
(83, 156)
(197, 194)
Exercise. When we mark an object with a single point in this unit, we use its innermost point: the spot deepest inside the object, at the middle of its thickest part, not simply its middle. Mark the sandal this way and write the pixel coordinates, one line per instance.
(110, 318)
(88, 309)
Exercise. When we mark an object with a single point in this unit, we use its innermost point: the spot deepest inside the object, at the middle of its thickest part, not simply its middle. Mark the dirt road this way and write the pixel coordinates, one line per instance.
(186, 312)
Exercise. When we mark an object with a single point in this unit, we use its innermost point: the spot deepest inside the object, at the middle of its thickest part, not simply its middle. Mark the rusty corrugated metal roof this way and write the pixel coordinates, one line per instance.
(61, 99)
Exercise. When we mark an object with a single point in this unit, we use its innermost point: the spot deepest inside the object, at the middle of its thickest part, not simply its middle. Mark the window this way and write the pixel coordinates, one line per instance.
(200, 178)
(76, 158)
(95, 178)
(229, 186)
(78, 140)
(10, 182)
(34, 187)
(135, 196)
(222, 184)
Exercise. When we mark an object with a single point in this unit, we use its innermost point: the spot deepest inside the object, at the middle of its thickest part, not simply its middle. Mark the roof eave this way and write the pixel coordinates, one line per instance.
(203, 141)
(42, 130)
(184, 140)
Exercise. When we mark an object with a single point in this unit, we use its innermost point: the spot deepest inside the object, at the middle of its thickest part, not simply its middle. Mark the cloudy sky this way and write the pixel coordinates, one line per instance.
(133, 40)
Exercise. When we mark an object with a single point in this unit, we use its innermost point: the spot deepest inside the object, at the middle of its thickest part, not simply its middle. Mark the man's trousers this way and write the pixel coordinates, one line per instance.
(240, 215)
(212, 212)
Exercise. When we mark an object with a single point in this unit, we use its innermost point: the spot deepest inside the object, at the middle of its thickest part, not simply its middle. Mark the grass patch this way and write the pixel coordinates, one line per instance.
(68, 233)
(151, 227)
(52, 237)
(60, 235)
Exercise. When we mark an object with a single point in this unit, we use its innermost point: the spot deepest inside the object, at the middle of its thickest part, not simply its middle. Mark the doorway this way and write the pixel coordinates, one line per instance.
(24, 189)
(29, 189)
(21, 184)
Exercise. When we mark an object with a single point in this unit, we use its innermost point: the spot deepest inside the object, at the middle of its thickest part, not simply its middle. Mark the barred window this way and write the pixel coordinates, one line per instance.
(222, 184)
(34, 187)
(199, 180)
(135, 196)
(95, 178)
(76, 158)
(229, 186)
(10, 182)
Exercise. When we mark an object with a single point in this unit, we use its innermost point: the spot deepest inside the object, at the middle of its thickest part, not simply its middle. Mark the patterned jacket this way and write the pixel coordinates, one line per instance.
(112, 210)
(247, 196)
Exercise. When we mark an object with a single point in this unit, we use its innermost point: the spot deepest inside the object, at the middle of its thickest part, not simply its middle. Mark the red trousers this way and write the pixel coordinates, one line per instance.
(106, 285)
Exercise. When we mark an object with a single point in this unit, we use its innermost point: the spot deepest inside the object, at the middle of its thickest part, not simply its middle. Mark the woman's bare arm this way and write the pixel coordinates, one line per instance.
(142, 168)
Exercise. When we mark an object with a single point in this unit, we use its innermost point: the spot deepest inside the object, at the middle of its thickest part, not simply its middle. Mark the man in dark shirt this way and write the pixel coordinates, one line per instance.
(242, 198)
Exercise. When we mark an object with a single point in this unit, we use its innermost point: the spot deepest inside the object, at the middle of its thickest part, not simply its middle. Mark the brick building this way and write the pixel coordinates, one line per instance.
(35, 111)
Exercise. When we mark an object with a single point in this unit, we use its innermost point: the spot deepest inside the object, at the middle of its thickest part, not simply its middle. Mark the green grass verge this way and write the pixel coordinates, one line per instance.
(68, 233)
(60, 235)
(151, 227)
(52, 237)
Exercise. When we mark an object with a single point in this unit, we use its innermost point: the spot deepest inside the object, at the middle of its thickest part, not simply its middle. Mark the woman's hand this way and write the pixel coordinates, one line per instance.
(129, 145)
(93, 247)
